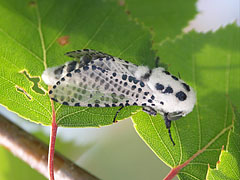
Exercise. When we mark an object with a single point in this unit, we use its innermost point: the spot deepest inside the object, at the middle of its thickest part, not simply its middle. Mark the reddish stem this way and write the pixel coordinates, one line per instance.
(175, 170)
(52, 144)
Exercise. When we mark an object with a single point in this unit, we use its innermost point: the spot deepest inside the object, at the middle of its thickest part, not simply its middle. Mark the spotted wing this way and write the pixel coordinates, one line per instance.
(93, 86)
(103, 60)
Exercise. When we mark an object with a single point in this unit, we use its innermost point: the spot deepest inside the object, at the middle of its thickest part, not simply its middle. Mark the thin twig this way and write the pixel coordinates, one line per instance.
(52, 144)
(35, 153)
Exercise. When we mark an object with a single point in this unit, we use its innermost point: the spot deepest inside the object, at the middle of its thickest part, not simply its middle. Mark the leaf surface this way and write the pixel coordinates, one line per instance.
(210, 64)
(34, 36)
(166, 19)
(228, 166)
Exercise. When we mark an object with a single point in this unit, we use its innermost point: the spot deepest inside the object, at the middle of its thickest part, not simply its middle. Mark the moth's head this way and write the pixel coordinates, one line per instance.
(173, 97)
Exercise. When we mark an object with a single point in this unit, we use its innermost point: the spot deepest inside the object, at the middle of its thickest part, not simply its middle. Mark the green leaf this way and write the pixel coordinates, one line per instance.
(228, 166)
(34, 35)
(210, 64)
(166, 19)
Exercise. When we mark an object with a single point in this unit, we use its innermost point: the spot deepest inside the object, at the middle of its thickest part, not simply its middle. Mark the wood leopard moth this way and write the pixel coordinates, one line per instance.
(97, 79)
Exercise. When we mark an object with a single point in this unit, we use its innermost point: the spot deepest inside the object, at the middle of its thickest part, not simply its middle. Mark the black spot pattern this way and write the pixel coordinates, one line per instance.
(77, 71)
(91, 75)
(174, 77)
(135, 81)
(65, 103)
(181, 96)
(146, 93)
(71, 66)
(124, 77)
(94, 67)
(69, 75)
(159, 86)
(121, 96)
(85, 68)
(79, 97)
(142, 84)
(54, 99)
(133, 87)
(59, 70)
(166, 72)
(186, 87)
(130, 78)
(168, 90)
(97, 101)
(102, 82)
(123, 87)
(113, 95)
(147, 75)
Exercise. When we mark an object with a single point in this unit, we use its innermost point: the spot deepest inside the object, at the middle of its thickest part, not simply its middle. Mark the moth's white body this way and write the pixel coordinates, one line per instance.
(166, 93)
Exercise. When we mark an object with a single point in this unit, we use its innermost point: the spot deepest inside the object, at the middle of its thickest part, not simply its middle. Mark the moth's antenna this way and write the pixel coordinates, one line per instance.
(169, 132)
(179, 75)
(157, 61)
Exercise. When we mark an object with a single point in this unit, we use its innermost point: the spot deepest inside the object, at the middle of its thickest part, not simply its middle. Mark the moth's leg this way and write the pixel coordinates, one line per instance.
(114, 119)
(149, 110)
(168, 126)
(157, 61)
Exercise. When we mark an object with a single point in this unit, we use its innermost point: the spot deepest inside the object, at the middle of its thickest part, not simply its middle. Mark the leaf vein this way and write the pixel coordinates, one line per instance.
(180, 144)
(97, 30)
(182, 172)
(227, 87)
(161, 139)
(41, 36)
(197, 107)
(24, 47)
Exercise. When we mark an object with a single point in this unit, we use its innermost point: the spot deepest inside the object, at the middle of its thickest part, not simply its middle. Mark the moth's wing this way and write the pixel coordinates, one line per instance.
(105, 61)
(52, 75)
(90, 53)
(114, 64)
(94, 86)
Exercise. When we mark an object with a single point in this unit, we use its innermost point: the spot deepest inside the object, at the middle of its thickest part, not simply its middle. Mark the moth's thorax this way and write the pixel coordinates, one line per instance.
(141, 71)
(171, 93)
(51, 75)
